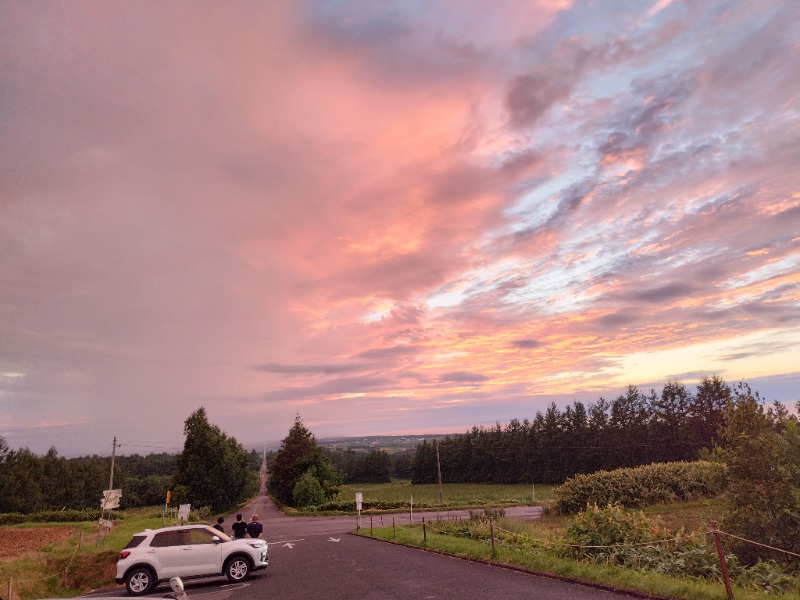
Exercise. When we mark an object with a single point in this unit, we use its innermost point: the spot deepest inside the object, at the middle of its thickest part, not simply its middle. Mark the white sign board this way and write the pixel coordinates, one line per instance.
(106, 523)
(183, 512)
(359, 500)
(110, 499)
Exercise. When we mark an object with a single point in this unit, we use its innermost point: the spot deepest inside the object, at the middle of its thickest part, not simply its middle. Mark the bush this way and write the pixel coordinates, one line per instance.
(308, 491)
(593, 531)
(641, 486)
(350, 505)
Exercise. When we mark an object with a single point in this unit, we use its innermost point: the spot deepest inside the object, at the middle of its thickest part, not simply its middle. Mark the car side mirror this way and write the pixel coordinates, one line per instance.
(176, 583)
(216, 539)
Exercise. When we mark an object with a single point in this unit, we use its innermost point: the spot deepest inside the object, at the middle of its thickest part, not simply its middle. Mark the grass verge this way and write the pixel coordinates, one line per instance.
(651, 585)
(80, 563)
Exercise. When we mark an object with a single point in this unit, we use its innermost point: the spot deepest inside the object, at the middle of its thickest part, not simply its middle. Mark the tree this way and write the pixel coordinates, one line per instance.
(213, 467)
(299, 454)
(763, 477)
(669, 431)
(308, 491)
(707, 411)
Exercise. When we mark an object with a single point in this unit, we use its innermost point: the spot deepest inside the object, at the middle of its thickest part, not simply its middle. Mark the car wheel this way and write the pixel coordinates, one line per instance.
(237, 568)
(140, 581)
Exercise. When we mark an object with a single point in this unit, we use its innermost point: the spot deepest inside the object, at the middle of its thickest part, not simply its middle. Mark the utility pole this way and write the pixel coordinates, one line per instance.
(439, 471)
(113, 455)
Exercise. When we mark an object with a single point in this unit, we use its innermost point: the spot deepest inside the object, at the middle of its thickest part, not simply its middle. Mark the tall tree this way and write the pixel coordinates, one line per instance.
(763, 477)
(300, 454)
(669, 432)
(707, 411)
(213, 467)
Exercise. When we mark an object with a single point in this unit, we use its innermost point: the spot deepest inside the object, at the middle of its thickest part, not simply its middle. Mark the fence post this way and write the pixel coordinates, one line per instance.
(491, 532)
(424, 531)
(723, 563)
(394, 530)
(370, 524)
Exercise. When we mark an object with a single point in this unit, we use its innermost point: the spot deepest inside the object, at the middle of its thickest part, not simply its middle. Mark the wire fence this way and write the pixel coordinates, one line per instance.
(519, 541)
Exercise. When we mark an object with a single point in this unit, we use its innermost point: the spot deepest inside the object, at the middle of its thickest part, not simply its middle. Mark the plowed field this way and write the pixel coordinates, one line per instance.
(18, 541)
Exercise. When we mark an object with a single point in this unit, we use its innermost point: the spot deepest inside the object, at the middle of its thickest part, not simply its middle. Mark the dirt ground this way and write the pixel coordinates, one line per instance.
(18, 541)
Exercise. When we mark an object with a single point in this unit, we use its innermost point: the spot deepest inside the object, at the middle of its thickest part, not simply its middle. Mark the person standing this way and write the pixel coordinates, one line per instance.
(218, 526)
(239, 528)
(254, 528)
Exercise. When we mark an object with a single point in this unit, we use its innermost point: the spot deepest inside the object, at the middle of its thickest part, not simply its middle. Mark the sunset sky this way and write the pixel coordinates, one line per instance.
(388, 218)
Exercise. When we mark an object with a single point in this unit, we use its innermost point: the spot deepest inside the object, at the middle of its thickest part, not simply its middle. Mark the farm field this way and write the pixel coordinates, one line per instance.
(454, 494)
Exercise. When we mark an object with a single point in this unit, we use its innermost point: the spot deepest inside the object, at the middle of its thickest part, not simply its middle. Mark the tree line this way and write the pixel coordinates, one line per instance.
(636, 428)
(213, 470)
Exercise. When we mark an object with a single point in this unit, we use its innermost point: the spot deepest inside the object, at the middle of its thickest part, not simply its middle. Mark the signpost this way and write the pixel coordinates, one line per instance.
(183, 512)
(359, 501)
(110, 499)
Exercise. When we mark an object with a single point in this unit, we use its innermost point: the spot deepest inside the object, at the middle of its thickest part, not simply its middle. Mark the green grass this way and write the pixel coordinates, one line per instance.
(78, 565)
(466, 495)
(539, 561)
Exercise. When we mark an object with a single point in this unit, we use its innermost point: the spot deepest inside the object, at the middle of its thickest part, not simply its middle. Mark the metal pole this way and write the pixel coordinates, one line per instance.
(113, 454)
(439, 472)
(721, 553)
(491, 532)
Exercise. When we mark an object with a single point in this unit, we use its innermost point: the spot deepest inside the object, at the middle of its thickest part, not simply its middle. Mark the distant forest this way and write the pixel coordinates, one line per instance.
(633, 429)
(31, 483)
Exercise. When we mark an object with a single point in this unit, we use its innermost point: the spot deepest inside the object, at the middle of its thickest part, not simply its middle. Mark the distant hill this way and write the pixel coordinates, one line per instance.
(392, 444)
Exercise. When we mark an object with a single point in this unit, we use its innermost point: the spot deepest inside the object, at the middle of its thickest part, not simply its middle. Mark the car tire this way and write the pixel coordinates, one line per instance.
(139, 581)
(237, 568)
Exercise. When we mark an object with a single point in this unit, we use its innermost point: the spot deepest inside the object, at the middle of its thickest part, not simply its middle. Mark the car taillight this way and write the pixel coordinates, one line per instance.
(124, 554)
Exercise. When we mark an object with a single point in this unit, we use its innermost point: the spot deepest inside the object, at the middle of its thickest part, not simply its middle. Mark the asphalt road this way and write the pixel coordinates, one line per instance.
(316, 558)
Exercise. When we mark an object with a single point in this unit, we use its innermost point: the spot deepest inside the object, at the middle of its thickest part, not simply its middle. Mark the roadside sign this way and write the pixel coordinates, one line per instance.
(106, 523)
(359, 500)
(183, 512)
(110, 499)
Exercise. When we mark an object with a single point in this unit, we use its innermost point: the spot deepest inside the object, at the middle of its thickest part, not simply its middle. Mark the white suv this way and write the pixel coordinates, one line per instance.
(188, 551)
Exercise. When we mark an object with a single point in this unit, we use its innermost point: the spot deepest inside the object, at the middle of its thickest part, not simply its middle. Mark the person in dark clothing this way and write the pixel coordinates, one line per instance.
(254, 528)
(220, 521)
(239, 528)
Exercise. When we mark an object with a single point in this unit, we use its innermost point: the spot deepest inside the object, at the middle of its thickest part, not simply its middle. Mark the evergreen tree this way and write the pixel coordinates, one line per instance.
(299, 454)
(213, 468)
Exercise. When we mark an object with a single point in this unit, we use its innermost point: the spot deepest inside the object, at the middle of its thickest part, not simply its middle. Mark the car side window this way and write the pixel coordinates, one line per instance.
(166, 539)
(199, 536)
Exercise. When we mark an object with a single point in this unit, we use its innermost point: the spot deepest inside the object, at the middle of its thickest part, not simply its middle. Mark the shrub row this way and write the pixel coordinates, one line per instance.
(52, 516)
(641, 486)
(350, 505)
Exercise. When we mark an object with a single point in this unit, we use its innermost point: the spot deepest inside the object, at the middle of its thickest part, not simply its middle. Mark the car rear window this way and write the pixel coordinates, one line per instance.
(135, 541)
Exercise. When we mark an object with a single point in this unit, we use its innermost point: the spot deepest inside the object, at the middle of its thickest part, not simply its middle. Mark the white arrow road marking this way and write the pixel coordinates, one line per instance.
(333, 539)
(286, 542)
(288, 545)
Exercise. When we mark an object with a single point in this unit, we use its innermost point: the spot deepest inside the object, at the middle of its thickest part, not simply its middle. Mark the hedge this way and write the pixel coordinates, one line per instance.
(641, 486)
(52, 516)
